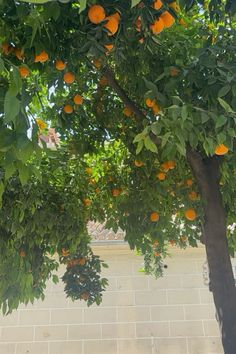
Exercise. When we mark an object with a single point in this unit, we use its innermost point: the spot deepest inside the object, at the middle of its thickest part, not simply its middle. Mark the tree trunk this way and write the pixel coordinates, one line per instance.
(222, 284)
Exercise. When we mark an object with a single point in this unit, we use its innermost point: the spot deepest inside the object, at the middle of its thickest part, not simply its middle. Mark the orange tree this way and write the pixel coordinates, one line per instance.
(143, 96)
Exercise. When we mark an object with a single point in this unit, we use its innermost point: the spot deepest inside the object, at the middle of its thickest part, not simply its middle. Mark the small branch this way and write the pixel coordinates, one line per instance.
(108, 73)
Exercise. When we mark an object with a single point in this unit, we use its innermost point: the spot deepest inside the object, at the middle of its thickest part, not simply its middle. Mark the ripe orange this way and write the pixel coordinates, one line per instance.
(69, 78)
(171, 164)
(161, 176)
(103, 81)
(84, 295)
(97, 63)
(138, 163)
(96, 14)
(154, 216)
(19, 53)
(221, 150)
(23, 71)
(150, 103)
(190, 214)
(192, 195)
(127, 112)
(189, 182)
(6, 48)
(155, 108)
(22, 254)
(109, 47)
(64, 252)
(157, 4)
(158, 26)
(82, 261)
(165, 166)
(117, 16)
(168, 19)
(68, 109)
(78, 99)
(87, 202)
(111, 25)
(60, 65)
(116, 192)
(41, 58)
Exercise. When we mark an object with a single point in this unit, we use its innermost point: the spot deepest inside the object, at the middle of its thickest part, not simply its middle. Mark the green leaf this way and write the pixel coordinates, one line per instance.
(225, 105)
(134, 3)
(221, 120)
(151, 86)
(36, 1)
(138, 138)
(24, 174)
(139, 146)
(149, 144)
(224, 90)
(83, 4)
(2, 67)
(55, 279)
(156, 128)
(11, 107)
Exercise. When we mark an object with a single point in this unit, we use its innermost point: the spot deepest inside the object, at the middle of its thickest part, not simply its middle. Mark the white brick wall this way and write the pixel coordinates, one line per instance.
(171, 315)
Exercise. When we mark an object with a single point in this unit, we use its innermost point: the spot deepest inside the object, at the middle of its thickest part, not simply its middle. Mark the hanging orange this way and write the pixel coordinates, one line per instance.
(23, 71)
(69, 78)
(221, 150)
(150, 103)
(41, 58)
(168, 19)
(157, 4)
(96, 14)
(190, 214)
(127, 112)
(161, 176)
(19, 53)
(154, 217)
(111, 25)
(68, 109)
(60, 65)
(78, 99)
(155, 108)
(157, 26)
(109, 47)
(138, 163)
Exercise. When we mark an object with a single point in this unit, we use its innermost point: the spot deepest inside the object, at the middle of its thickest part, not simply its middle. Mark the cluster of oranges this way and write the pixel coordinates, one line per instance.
(97, 15)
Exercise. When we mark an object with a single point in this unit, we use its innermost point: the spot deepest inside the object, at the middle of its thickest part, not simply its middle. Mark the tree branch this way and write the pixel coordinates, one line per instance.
(108, 73)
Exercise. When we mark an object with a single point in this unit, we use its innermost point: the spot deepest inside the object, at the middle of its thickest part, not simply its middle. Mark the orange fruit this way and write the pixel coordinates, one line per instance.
(192, 195)
(41, 58)
(19, 53)
(117, 16)
(127, 112)
(157, 26)
(154, 216)
(168, 19)
(82, 261)
(161, 176)
(6, 48)
(165, 166)
(221, 150)
(68, 109)
(64, 252)
(174, 6)
(84, 295)
(89, 170)
(138, 163)
(97, 63)
(69, 78)
(23, 71)
(155, 108)
(22, 254)
(157, 4)
(60, 65)
(150, 103)
(87, 202)
(190, 214)
(138, 24)
(109, 47)
(103, 81)
(189, 182)
(96, 14)
(116, 192)
(78, 99)
(171, 164)
(111, 25)
(174, 72)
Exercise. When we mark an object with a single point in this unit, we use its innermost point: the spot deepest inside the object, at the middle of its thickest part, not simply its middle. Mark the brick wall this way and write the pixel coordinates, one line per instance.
(171, 315)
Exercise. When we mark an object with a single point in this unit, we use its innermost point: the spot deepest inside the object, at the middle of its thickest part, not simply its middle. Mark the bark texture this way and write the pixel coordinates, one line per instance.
(222, 284)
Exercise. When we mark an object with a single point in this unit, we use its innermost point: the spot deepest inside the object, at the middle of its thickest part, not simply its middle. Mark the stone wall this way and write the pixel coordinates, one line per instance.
(171, 315)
